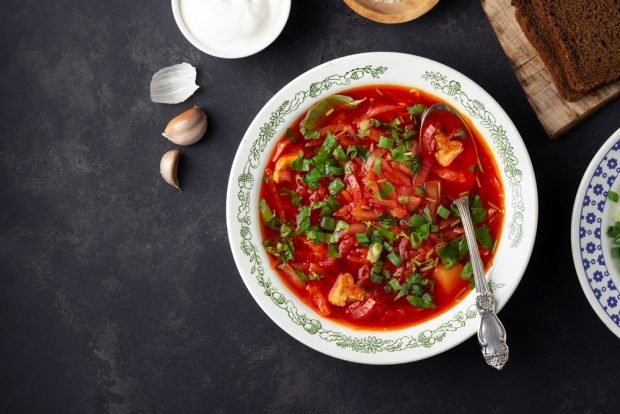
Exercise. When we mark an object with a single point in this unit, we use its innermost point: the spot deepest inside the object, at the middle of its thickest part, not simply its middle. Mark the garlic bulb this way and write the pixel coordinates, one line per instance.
(168, 167)
(187, 128)
(173, 84)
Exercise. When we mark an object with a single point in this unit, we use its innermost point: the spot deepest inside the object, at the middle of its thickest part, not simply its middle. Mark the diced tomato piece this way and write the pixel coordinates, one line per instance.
(319, 299)
(425, 169)
(336, 128)
(450, 175)
(384, 203)
(413, 203)
(399, 212)
(362, 212)
(432, 190)
(279, 208)
(393, 175)
(347, 196)
(280, 148)
(359, 310)
(358, 257)
(383, 109)
(374, 134)
(354, 188)
(353, 229)
(292, 276)
(346, 244)
(317, 269)
(403, 246)
(402, 168)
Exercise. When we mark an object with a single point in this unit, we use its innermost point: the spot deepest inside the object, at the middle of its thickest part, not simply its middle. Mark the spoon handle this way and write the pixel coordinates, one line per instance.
(492, 334)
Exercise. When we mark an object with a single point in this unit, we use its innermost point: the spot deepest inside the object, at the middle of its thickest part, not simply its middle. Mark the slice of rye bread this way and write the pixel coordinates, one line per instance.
(586, 37)
(532, 29)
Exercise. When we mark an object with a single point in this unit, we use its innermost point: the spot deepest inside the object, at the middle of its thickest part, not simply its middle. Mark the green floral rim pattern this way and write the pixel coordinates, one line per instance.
(245, 214)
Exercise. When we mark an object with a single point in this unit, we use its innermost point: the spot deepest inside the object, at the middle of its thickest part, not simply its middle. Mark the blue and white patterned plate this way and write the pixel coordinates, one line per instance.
(593, 213)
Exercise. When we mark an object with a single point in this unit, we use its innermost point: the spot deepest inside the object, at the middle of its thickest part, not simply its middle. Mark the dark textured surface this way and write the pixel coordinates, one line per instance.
(118, 294)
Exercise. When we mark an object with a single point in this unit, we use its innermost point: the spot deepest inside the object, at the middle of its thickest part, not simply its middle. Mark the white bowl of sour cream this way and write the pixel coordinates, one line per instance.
(231, 28)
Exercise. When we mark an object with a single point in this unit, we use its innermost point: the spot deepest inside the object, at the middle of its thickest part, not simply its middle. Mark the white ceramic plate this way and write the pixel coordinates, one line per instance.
(282, 306)
(593, 213)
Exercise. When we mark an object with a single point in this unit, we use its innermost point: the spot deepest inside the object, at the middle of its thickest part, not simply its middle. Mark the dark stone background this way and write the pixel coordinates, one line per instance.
(118, 294)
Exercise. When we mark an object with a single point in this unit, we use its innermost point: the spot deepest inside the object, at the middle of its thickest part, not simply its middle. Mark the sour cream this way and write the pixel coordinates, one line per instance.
(231, 28)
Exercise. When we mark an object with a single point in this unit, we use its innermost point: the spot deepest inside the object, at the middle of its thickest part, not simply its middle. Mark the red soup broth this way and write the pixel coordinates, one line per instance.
(382, 187)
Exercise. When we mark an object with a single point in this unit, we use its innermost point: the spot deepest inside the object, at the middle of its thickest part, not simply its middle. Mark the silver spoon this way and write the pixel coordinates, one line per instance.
(491, 334)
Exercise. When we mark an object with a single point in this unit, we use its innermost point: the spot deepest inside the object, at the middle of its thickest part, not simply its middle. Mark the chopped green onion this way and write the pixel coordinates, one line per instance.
(375, 278)
(328, 223)
(425, 301)
(362, 239)
(374, 252)
(403, 199)
(377, 267)
(395, 259)
(339, 154)
(386, 234)
(613, 196)
(336, 186)
(385, 142)
(416, 109)
(332, 251)
(443, 212)
(377, 166)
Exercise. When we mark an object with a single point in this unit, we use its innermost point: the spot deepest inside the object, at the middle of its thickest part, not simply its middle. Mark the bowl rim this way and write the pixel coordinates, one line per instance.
(274, 32)
(525, 250)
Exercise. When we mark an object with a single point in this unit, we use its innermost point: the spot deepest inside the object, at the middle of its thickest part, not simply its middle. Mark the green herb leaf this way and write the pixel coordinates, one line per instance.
(385, 142)
(303, 219)
(377, 165)
(443, 212)
(395, 259)
(613, 196)
(293, 196)
(317, 114)
(416, 109)
(336, 186)
(478, 212)
(483, 235)
(386, 190)
(449, 255)
(332, 251)
(425, 301)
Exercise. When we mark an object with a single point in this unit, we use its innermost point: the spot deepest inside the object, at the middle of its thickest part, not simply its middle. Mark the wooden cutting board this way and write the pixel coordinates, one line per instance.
(556, 115)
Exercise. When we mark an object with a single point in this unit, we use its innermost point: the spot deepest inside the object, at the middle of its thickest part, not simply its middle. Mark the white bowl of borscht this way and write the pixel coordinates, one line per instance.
(340, 213)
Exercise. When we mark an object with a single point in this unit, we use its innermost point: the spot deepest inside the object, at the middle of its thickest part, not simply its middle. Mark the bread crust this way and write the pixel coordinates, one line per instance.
(532, 29)
(589, 50)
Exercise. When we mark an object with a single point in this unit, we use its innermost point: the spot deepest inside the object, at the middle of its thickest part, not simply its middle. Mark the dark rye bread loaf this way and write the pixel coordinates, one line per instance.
(531, 26)
(586, 37)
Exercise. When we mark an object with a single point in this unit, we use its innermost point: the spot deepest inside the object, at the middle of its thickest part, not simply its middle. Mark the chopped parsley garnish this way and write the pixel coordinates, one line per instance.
(483, 235)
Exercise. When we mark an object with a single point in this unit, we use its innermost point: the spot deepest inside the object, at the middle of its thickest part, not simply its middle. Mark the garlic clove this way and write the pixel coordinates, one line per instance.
(168, 167)
(173, 84)
(187, 128)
